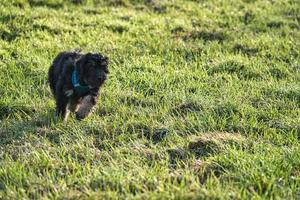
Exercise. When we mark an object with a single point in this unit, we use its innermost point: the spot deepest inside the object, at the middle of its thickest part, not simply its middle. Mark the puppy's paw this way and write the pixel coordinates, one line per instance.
(79, 116)
(87, 105)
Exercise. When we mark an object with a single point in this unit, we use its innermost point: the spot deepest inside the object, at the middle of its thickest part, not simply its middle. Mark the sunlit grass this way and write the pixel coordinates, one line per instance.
(202, 100)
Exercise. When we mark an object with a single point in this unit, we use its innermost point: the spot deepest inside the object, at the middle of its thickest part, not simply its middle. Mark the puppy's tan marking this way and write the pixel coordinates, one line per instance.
(86, 107)
(66, 115)
(73, 104)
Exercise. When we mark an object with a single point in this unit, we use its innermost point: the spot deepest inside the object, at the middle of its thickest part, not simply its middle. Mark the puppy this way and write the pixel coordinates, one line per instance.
(75, 80)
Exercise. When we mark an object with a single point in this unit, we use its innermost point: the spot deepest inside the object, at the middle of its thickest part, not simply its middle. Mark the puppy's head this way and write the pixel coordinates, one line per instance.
(92, 69)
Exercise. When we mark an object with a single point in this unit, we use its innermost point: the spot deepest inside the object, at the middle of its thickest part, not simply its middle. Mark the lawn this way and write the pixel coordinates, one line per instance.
(202, 100)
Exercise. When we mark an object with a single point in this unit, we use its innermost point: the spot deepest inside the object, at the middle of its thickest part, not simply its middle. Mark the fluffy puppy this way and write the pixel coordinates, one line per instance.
(75, 80)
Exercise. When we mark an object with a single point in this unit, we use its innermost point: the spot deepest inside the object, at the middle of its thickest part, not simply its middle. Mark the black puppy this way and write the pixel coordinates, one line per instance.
(75, 80)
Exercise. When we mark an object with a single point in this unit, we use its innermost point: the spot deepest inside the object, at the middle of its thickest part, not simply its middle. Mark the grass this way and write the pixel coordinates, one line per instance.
(202, 102)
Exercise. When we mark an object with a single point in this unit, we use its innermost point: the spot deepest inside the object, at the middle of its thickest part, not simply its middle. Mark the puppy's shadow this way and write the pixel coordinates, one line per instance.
(15, 129)
(44, 124)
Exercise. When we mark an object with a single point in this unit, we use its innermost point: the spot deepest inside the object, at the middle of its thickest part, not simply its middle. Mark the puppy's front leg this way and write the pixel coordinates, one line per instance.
(74, 103)
(61, 106)
(86, 107)
(61, 101)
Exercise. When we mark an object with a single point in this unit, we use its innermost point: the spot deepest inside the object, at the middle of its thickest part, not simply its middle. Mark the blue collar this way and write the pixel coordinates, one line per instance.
(81, 90)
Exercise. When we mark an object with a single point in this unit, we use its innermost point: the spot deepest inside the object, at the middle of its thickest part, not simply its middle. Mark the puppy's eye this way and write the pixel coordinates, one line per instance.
(103, 63)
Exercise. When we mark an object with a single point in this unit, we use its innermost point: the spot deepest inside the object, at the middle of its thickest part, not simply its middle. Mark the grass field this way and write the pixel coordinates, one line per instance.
(202, 101)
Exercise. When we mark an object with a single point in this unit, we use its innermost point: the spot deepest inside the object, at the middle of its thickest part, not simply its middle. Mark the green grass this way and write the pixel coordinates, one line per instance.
(203, 100)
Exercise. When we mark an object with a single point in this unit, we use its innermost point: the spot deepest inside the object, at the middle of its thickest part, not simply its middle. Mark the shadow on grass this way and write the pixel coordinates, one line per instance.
(240, 69)
(187, 107)
(21, 122)
(283, 94)
(200, 149)
(15, 25)
(116, 28)
(152, 133)
(245, 50)
(7, 110)
(205, 35)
